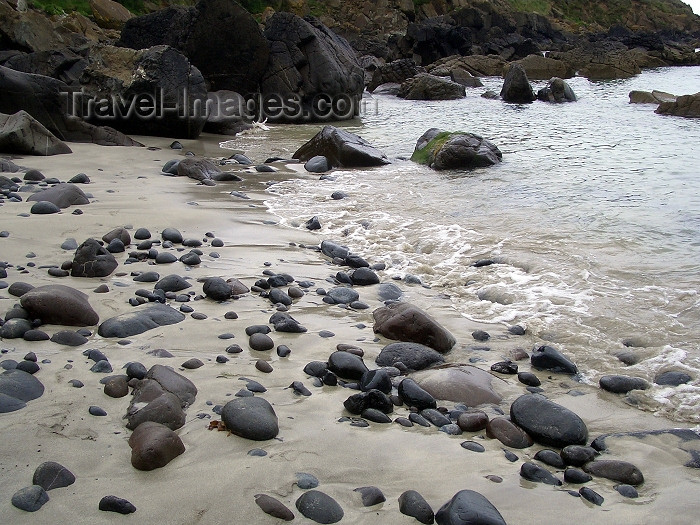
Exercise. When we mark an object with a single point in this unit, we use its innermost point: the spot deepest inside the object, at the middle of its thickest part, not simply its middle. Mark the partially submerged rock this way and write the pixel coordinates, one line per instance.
(684, 106)
(406, 322)
(430, 87)
(556, 90)
(516, 86)
(342, 149)
(443, 150)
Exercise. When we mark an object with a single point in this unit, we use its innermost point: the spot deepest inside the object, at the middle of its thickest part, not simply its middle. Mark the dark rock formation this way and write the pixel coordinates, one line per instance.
(442, 150)
(685, 106)
(516, 86)
(342, 149)
(59, 304)
(425, 86)
(21, 133)
(144, 318)
(406, 322)
(547, 422)
(92, 260)
(153, 446)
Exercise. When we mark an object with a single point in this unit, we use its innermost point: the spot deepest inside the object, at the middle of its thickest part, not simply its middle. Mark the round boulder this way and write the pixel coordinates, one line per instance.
(250, 418)
(547, 422)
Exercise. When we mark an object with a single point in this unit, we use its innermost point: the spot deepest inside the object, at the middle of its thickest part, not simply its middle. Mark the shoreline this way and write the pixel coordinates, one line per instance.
(215, 479)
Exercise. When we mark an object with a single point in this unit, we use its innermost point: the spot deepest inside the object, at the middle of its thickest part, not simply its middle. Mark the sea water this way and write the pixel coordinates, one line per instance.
(592, 221)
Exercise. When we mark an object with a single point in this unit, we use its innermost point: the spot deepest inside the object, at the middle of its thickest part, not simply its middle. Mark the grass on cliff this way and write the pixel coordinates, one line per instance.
(59, 7)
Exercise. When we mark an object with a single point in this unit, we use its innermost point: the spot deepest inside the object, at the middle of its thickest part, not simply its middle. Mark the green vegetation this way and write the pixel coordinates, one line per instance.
(426, 154)
(542, 7)
(57, 7)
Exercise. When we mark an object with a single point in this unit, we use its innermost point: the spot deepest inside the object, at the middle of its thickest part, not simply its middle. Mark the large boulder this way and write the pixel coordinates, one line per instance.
(155, 91)
(425, 86)
(59, 304)
(145, 318)
(547, 422)
(650, 97)
(219, 37)
(394, 72)
(516, 86)
(21, 133)
(16, 388)
(556, 90)
(342, 149)
(443, 150)
(413, 356)
(62, 195)
(50, 102)
(684, 106)
(460, 384)
(538, 67)
(312, 66)
(468, 508)
(63, 64)
(31, 30)
(92, 260)
(406, 322)
(109, 14)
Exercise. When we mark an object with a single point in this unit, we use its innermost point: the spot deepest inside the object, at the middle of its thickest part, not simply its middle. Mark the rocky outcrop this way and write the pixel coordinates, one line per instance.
(155, 91)
(394, 72)
(22, 134)
(684, 106)
(312, 66)
(430, 87)
(342, 149)
(443, 150)
(110, 14)
(219, 37)
(650, 97)
(475, 65)
(538, 67)
(62, 64)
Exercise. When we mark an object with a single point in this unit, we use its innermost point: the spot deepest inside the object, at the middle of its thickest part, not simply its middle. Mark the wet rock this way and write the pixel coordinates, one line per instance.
(406, 322)
(261, 342)
(574, 475)
(115, 504)
(217, 289)
(615, 470)
(273, 507)
(505, 367)
(283, 322)
(92, 260)
(548, 358)
(473, 446)
(376, 380)
(370, 496)
(672, 378)
(622, 384)
(317, 164)
(319, 507)
(58, 304)
(411, 503)
(462, 384)
(557, 91)
(364, 277)
(358, 403)
(19, 385)
(172, 283)
(507, 433)
(343, 295)
(535, 473)
(172, 234)
(197, 169)
(250, 418)
(551, 458)
(415, 396)
(578, 455)
(591, 495)
(341, 149)
(51, 475)
(153, 446)
(443, 150)
(435, 417)
(69, 338)
(468, 507)
(547, 422)
(529, 379)
(142, 319)
(684, 106)
(30, 498)
(628, 491)
(347, 365)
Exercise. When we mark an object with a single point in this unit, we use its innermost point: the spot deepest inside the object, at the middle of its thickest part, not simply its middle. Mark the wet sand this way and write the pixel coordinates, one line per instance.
(215, 480)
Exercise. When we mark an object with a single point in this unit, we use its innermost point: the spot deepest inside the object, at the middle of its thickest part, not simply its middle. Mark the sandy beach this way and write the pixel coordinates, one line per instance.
(215, 480)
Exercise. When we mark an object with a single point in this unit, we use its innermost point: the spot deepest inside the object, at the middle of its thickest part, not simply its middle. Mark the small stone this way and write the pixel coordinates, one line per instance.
(319, 507)
(115, 504)
(97, 411)
(273, 507)
(263, 366)
(261, 342)
(192, 364)
(370, 496)
(591, 495)
(411, 503)
(52, 475)
(306, 481)
(30, 499)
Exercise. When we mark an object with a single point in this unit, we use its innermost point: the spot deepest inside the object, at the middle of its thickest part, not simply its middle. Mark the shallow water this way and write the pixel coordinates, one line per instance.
(593, 219)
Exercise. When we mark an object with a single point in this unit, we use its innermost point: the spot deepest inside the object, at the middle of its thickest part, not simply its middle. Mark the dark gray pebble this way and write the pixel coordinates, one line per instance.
(411, 503)
(30, 498)
(97, 411)
(319, 507)
(473, 446)
(115, 504)
(52, 475)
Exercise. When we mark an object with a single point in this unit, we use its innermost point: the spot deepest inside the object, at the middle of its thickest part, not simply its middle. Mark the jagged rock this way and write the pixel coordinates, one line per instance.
(313, 66)
(92, 260)
(198, 33)
(59, 304)
(684, 106)
(62, 64)
(538, 67)
(516, 86)
(342, 149)
(442, 150)
(21, 133)
(394, 72)
(651, 97)
(425, 86)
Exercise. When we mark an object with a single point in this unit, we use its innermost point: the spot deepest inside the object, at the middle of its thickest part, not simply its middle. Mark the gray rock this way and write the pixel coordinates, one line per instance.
(166, 409)
(115, 504)
(343, 295)
(52, 475)
(672, 378)
(22, 134)
(44, 208)
(442, 150)
(556, 90)
(144, 318)
(250, 418)
(462, 384)
(317, 164)
(370, 496)
(10, 404)
(319, 507)
(20, 385)
(217, 289)
(62, 195)
(341, 149)
(347, 365)
(516, 86)
(547, 422)
(92, 260)
(615, 470)
(425, 86)
(414, 355)
(172, 382)
(406, 322)
(15, 328)
(197, 169)
(172, 283)
(622, 384)
(507, 433)
(153, 446)
(171, 234)
(538, 474)
(30, 498)
(414, 396)
(59, 304)
(69, 338)
(468, 507)
(411, 503)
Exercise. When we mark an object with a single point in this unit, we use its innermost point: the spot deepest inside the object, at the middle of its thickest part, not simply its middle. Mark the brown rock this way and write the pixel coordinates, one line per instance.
(274, 507)
(472, 421)
(685, 106)
(539, 67)
(117, 387)
(615, 470)
(406, 322)
(461, 384)
(508, 433)
(153, 446)
(109, 14)
(164, 410)
(59, 304)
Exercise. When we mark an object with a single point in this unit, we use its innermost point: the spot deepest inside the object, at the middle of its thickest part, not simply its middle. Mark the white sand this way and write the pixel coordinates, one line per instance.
(215, 480)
